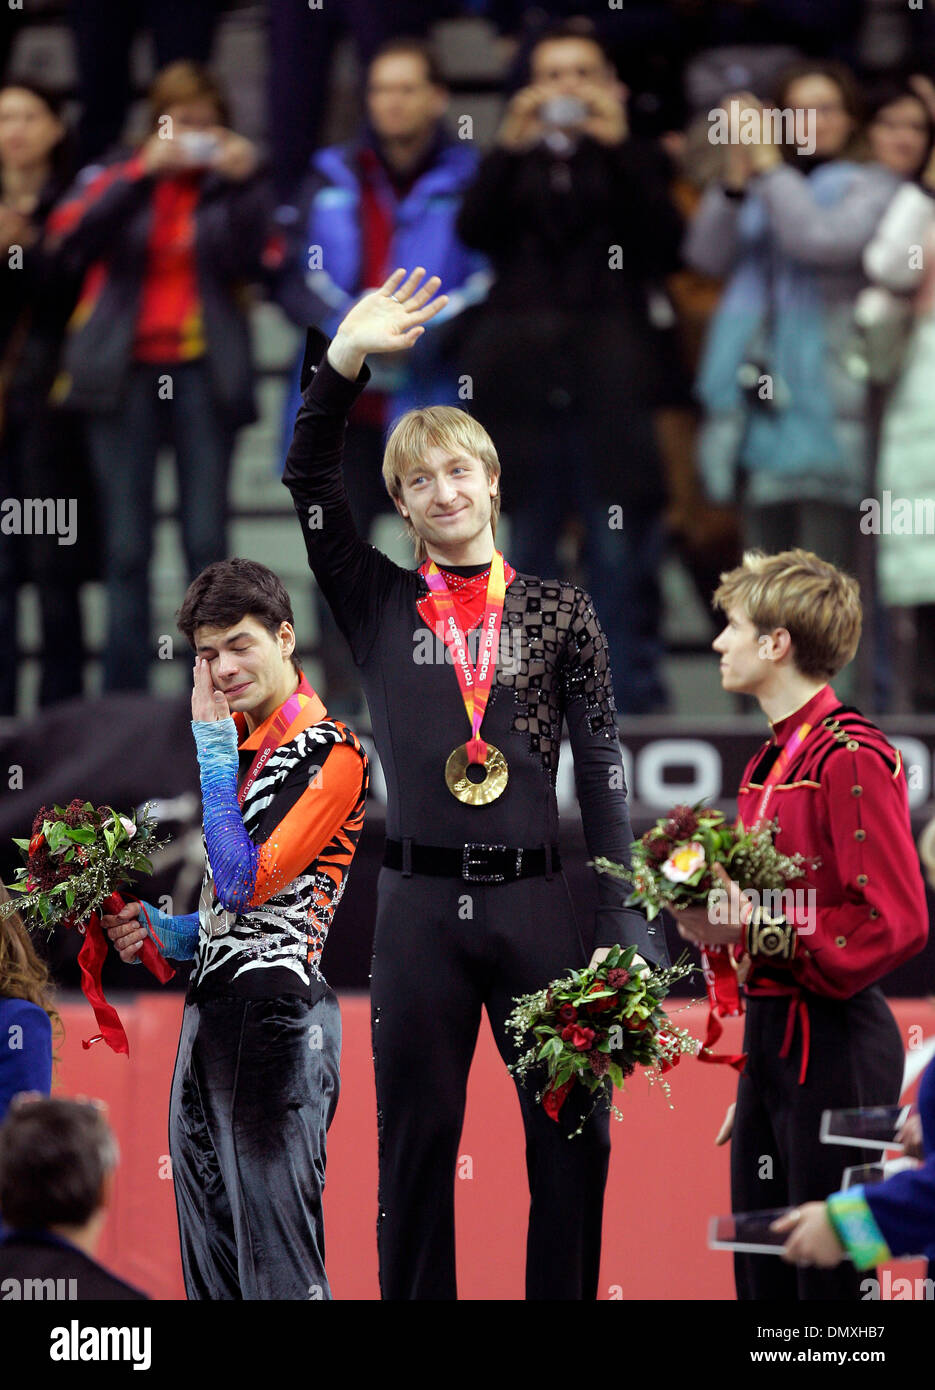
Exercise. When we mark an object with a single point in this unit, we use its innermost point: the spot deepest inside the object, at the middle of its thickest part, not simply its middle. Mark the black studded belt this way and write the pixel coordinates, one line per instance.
(475, 863)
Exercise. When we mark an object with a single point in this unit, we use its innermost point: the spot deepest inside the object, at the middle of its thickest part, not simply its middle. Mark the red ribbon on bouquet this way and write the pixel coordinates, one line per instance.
(91, 959)
(719, 963)
(555, 1097)
(668, 1063)
(720, 974)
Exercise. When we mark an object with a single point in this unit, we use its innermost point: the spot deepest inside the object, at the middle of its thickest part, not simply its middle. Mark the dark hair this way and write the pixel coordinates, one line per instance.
(577, 27)
(230, 590)
(54, 1157)
(62, 154)
(419, 48)
(888, 94)
(53, 100)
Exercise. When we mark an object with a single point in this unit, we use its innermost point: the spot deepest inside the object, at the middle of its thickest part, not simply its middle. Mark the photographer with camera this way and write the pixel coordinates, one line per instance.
(575, 217)
(783, 376)
(158, 349)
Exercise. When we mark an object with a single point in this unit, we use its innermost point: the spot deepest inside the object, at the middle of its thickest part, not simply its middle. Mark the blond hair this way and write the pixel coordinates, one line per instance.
(413, 434)
(818, 605)
(22, 974)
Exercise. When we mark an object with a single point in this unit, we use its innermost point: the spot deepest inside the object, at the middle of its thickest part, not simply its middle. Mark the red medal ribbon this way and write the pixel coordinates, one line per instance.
(475, 682)
(778, 768)
(718, 962)
(287, 713)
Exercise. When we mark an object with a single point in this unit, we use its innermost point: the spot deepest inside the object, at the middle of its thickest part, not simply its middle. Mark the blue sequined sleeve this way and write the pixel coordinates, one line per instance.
(178, 936)
(233, 856)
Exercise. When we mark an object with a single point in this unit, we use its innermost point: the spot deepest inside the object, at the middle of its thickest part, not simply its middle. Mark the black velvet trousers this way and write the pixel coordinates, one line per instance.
(777, 1159)
(443, 950)
(255, 1088)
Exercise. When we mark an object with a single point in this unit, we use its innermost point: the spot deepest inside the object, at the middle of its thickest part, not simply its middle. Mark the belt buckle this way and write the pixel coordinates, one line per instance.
(468, 862)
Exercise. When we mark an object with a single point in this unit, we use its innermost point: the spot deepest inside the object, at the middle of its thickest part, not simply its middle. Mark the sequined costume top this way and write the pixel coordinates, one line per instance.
(552, 666)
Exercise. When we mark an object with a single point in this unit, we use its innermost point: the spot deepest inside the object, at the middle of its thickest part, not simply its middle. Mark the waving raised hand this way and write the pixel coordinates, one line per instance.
(389, 320)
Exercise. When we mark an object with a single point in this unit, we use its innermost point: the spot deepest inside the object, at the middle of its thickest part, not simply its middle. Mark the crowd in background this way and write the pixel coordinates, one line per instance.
(674, 342)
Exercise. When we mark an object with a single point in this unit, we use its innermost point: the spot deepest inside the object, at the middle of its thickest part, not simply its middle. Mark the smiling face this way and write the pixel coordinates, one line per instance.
(249, 665)
(447, 497)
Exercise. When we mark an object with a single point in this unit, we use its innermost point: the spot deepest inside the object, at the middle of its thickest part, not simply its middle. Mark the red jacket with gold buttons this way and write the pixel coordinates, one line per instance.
(842, 801)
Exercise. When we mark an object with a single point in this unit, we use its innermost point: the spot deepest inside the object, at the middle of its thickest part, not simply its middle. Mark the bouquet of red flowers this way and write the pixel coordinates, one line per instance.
(673, 863)
(77, 858)
(597, 1025)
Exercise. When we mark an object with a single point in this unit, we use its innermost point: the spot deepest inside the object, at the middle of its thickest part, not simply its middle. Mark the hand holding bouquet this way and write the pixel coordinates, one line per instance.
(598, 1025)
(673, 863)
(694, 860)
(77, 858)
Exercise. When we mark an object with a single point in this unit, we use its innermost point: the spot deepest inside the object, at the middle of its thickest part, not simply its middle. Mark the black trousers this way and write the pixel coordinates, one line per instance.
(777, 1159)
(444, 949)
(42, 455)
(124, 447)
(255, 1088)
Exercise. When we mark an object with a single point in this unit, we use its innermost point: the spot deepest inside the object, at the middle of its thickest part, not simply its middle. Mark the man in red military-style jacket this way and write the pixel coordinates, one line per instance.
(819, 1033)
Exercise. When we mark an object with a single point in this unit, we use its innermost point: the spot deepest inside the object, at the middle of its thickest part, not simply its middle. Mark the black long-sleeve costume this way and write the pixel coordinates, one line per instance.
(443, 947)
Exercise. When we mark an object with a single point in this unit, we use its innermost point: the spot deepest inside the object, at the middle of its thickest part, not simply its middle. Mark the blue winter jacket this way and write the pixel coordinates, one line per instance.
(792, 250)
(323, 275)
(25, 1050)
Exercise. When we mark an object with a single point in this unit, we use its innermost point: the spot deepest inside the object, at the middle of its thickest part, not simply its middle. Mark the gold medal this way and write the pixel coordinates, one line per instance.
(475, 684)
(476, 793)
